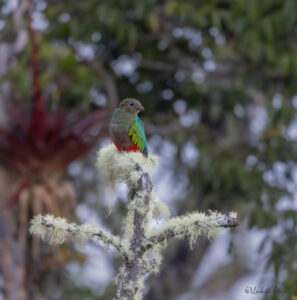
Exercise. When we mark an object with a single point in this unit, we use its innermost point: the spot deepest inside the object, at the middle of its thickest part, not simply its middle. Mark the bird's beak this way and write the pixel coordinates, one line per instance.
(141, 108)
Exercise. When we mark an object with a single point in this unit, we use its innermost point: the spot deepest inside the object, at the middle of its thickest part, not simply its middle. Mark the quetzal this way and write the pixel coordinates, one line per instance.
(126, 129)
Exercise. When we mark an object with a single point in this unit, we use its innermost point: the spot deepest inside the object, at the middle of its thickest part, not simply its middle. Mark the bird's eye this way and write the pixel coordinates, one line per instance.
(131, 104)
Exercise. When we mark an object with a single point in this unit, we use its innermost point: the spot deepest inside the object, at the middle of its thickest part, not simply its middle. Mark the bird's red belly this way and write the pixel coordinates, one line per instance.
(127, 149)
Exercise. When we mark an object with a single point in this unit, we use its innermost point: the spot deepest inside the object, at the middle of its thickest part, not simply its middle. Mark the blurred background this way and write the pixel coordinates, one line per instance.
(218, 82)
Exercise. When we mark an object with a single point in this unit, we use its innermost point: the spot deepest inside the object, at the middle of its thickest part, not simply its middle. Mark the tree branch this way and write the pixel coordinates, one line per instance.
(175, 227)
(55, 230)
(108, 82)
(134, 169)
(138, 208)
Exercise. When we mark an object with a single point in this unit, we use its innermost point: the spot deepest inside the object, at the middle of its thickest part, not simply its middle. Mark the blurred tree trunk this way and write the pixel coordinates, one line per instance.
(12, 263)
(11, 255)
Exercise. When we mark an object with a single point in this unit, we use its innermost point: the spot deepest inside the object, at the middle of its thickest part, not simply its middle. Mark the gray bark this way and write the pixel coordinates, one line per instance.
(131, 278)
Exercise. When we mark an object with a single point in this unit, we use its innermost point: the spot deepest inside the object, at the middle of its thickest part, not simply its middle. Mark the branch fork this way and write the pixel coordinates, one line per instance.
(137, 239)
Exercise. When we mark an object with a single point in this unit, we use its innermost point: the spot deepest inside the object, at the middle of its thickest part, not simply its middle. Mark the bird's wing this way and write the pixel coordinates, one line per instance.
(138, 135)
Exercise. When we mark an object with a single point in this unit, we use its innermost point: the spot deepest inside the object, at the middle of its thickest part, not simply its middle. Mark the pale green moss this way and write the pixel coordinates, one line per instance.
(49, 228)
(56, 230)
(233, 214)
(160, 210)
(139, 201)
(126, 167)
(121, 166)
(156, 251)
(86, 231)
(128, 226)
(191, 226)
(135, 205)
(140, 285)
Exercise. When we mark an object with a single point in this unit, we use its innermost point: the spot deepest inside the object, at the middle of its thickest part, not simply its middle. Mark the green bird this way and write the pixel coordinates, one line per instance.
(126, 129)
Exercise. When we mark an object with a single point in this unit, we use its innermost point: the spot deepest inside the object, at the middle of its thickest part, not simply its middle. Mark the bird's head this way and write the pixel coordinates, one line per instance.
(131, 105)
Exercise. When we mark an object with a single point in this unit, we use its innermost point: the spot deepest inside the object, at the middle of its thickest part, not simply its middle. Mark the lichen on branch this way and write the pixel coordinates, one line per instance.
(119, 167)
(138, 237)
(56, 230)
(191, 226)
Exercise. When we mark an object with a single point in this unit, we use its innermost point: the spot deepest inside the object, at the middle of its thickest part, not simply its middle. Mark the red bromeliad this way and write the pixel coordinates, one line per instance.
(38, 144)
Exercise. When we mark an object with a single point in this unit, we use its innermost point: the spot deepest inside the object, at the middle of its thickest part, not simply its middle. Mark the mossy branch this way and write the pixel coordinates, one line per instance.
(134, 169)
(56, 230)
(181, 227)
